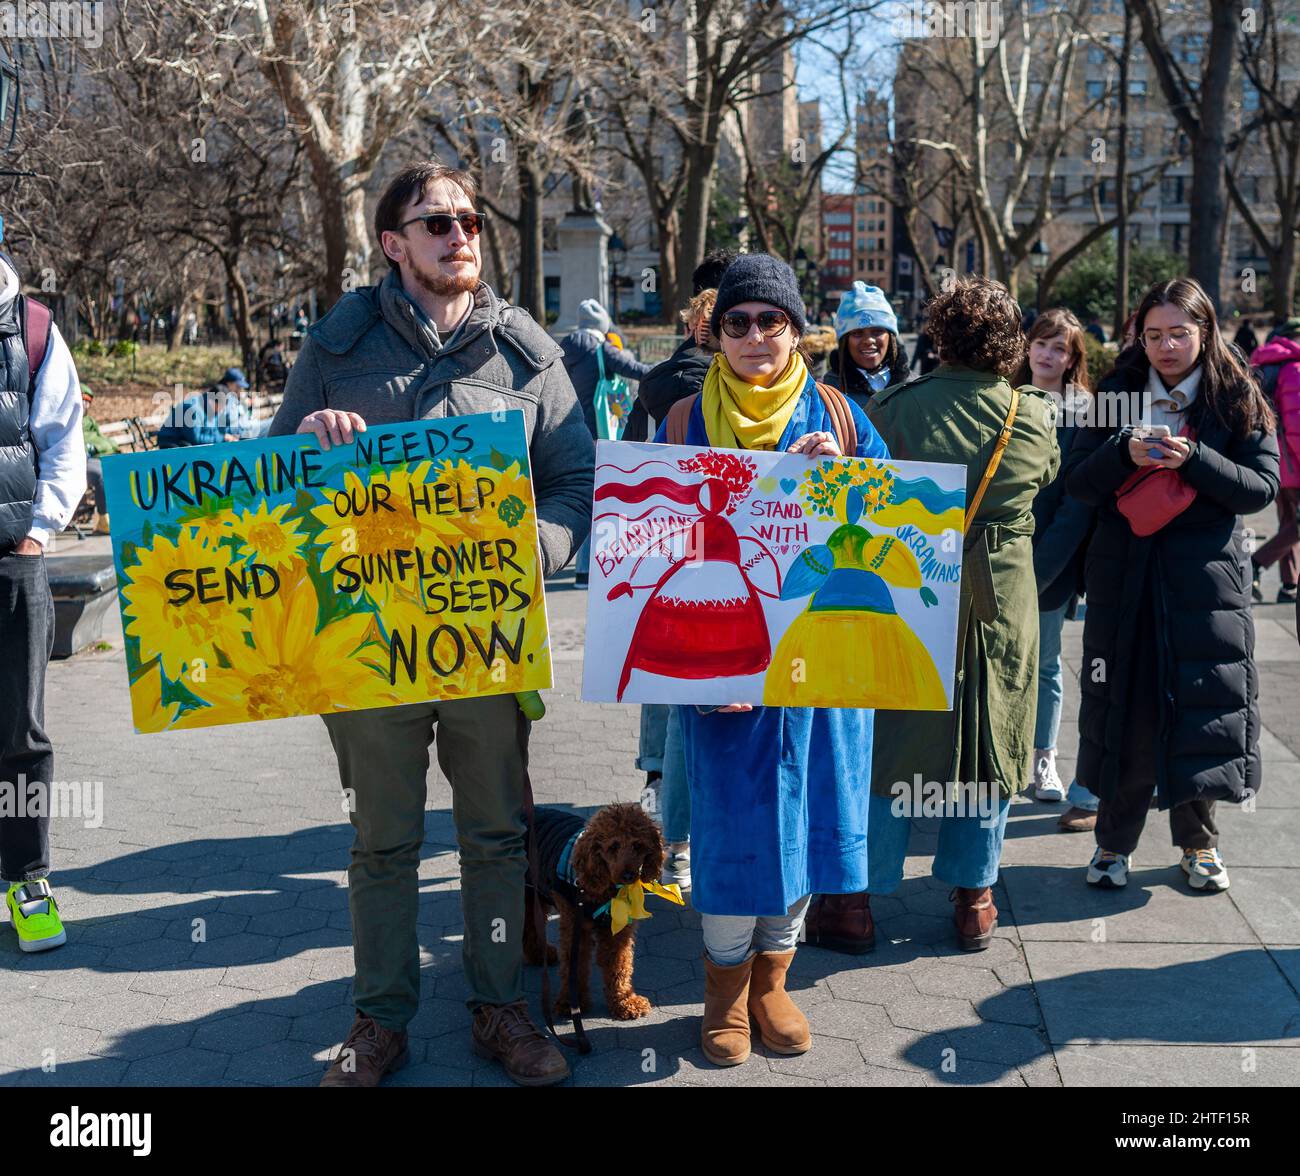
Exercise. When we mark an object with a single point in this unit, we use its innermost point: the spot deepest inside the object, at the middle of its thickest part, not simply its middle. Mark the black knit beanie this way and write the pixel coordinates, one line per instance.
(758, 277)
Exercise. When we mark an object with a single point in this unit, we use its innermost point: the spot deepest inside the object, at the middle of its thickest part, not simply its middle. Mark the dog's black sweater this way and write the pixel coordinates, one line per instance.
(553, 829)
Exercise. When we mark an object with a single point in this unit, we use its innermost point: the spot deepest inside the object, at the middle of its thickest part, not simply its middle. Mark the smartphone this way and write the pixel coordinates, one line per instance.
(1151, 433)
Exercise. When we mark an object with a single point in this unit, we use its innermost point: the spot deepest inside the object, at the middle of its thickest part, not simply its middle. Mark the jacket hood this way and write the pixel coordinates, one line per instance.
(1276, 351)
(9, 284)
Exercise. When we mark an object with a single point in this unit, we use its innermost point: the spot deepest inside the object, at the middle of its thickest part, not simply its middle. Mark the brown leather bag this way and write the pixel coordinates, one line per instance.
(836, 403)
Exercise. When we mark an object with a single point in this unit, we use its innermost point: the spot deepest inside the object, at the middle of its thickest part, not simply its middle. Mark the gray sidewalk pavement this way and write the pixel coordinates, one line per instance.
(209, 940)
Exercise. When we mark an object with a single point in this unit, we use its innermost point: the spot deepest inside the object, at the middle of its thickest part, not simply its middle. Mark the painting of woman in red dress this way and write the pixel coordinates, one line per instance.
(704, 617)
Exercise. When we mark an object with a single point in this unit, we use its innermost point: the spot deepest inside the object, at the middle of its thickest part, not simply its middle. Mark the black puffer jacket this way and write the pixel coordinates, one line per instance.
(1061, 528)
(1196, 572)
(844, 374)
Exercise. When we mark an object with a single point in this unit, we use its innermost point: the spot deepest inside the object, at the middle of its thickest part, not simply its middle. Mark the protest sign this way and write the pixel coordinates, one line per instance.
(722, 576)
(267, 578)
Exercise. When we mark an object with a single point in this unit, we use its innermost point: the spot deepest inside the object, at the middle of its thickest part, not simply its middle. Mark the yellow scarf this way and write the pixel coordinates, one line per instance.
(740, 415)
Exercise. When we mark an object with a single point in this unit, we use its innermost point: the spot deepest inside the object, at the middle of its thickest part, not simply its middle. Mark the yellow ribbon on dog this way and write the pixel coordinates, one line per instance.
(629, 902)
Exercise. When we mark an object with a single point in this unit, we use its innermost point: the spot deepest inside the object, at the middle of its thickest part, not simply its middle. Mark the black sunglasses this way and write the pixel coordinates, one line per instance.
(439, 223)
(771, 323)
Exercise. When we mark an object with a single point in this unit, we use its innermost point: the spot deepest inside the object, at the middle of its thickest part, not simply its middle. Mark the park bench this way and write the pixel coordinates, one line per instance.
(84, 588)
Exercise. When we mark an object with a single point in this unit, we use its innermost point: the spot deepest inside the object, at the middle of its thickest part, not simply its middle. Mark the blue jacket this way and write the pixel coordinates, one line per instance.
(580, 362)
(779, 795)
(196, 421)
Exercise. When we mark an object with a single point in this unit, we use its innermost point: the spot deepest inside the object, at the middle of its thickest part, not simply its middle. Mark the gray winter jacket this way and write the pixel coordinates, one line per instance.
(371, 355)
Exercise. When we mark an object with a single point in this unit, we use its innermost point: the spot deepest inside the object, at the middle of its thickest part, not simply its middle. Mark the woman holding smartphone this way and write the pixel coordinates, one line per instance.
(1169, 686)
(779, 795)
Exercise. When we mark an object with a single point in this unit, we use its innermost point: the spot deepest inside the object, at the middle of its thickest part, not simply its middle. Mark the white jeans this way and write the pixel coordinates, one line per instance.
(732, 939)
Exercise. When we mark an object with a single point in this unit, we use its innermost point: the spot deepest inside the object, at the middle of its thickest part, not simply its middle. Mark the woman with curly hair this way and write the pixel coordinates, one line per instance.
(964, 764)
(1171, 700)
(778, 793)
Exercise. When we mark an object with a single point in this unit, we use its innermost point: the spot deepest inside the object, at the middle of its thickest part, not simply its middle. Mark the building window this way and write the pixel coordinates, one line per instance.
(1058, 187)
(1171, 190)
(1096, 90)
(1136, 142)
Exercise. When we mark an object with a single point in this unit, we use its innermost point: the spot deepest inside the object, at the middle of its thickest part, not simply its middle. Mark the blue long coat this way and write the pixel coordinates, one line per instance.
(779, 795)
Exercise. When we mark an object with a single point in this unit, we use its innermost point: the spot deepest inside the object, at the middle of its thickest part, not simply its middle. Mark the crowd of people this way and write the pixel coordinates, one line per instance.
(1122, 504)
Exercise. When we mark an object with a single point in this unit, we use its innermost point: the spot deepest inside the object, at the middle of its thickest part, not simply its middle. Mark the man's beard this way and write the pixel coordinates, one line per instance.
(446, 286)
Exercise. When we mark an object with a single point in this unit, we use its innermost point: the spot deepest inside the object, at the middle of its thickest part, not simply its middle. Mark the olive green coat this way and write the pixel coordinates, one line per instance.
(954, 414)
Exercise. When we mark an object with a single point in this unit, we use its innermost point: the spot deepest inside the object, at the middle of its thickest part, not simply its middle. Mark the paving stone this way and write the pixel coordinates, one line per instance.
(241, 1032)
(1177, 1065)
(1125, 993)
(181, 1067)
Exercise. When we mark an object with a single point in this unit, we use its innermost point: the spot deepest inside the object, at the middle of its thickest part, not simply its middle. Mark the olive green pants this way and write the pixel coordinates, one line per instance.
(383, 763)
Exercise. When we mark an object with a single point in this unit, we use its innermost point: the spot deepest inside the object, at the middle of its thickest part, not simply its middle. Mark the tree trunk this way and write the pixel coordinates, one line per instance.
(1208, 204)
(701, 162)
(532, 282)
(1121, 187)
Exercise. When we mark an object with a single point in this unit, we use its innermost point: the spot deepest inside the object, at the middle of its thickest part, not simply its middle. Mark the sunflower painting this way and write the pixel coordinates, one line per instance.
(281, 580)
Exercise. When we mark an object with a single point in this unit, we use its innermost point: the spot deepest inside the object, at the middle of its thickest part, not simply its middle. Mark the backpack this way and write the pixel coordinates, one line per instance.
(36, 338)
(837, 405)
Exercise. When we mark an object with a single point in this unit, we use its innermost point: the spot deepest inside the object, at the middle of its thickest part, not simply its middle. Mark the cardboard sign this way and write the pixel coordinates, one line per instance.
(267, 578)
(722, 576)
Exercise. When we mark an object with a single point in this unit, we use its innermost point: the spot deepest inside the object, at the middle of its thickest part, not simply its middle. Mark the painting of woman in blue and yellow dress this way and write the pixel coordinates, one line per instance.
(851, 642)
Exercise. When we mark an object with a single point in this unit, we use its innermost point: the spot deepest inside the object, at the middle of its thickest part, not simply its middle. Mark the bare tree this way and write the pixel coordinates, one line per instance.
(1200, 103)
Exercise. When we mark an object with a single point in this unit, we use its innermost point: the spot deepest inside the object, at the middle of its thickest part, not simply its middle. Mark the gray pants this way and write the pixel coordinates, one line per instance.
(732, 939)
(383, 759)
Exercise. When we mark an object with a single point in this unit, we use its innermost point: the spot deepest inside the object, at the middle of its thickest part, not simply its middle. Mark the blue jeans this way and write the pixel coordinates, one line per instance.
(674, 789)
(970, 847)
(1080, 797)
(654, 729)
(1050, 681)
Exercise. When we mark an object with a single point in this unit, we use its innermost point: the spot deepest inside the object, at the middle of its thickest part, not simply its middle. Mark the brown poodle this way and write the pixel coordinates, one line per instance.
(619, 844)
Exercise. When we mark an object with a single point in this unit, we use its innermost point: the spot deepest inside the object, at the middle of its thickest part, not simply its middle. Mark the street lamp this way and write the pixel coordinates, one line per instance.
(1039, 259)
(617, 255)
(801, 271)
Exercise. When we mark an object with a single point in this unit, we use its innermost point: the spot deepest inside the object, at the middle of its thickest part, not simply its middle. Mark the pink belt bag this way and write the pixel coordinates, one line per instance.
(1153, 496)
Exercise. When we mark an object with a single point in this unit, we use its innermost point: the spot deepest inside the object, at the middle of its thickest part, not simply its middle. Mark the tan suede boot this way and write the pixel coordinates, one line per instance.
(724, 1036)
(781, 1025)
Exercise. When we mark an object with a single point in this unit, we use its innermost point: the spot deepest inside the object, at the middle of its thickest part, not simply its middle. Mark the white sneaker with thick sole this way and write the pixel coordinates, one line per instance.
(1204, 869)
(1047, 784)
(1109, 870)
(677, 869)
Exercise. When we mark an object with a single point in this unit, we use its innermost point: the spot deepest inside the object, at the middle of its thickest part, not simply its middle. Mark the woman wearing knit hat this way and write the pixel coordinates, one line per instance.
(870, 357)
(779, 795)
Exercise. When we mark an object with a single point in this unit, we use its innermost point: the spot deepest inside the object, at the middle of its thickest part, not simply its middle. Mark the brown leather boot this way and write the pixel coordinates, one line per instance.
(782, 1027)
(841, 922)
(975, 917)
(507, 1034)
(724, 1035)
(1078, 820)
(370, 1052)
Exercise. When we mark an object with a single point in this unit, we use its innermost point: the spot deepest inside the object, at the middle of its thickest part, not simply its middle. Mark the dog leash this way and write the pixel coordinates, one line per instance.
(579, 1040)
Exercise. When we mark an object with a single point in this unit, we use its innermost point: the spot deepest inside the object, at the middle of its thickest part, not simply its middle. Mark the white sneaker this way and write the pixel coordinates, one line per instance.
(1109, 870)
(1047, 784)
(677, 869)
(1204, 869)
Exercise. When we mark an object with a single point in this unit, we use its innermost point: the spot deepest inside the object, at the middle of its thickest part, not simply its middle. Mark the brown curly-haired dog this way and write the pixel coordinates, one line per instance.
(618, 845)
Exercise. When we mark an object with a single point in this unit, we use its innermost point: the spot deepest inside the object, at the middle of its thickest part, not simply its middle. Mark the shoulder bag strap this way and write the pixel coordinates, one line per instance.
(996, 460)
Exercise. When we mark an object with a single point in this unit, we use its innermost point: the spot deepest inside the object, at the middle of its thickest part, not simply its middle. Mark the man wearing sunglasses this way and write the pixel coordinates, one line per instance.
(431, 341)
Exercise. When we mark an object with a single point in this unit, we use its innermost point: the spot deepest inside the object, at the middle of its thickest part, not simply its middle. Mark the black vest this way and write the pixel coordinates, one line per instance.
(17, 452)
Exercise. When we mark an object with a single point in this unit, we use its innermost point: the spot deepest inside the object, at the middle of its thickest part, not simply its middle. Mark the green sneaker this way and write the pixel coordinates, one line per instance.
(35, 914)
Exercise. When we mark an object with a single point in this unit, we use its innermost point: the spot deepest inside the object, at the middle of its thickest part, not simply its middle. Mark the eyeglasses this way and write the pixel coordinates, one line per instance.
(1179, 337)
(439, 223)
(771, 323)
